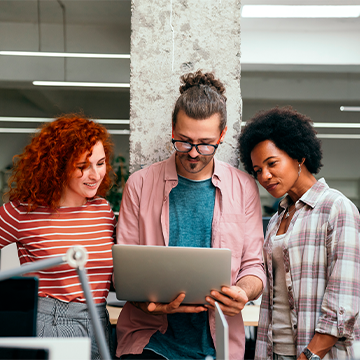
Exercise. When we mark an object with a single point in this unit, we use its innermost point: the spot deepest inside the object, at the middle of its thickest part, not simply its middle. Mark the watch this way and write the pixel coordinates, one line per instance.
(310, 355)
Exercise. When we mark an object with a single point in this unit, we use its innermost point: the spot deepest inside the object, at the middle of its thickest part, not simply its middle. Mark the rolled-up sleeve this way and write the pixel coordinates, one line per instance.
(341, 301)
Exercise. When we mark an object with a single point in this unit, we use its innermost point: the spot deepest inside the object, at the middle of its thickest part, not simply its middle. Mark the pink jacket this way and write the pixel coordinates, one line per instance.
(237, 225)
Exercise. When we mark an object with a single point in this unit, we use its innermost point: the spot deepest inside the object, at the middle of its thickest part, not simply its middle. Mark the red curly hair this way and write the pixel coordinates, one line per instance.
(42, 172)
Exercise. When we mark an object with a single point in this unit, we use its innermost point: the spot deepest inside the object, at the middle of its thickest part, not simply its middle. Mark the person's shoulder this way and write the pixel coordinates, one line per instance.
(148, 171)
(227, 169)
(14, 207)
(335, 196)
(333, 200)
(14, 210)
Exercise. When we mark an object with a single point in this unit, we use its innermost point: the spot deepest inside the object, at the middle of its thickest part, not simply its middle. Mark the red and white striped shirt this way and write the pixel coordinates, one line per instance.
(44, 234)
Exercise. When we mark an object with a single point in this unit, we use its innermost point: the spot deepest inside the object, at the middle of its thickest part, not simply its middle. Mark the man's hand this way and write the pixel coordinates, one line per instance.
(171, 308)
(231, 303)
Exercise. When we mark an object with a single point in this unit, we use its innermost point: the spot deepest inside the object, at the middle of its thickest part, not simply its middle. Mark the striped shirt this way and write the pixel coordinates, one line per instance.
(321, 253)
(44, 234)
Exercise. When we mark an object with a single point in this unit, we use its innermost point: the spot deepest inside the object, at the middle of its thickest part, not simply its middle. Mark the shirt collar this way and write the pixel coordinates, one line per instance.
(310, 198)
(170, 168)
(218, 169)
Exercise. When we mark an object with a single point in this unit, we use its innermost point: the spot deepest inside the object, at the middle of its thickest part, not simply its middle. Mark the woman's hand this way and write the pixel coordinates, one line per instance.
(231, 300)
(171, 308)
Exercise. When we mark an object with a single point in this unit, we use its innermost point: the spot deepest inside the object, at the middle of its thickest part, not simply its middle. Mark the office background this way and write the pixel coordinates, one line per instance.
(311, 64)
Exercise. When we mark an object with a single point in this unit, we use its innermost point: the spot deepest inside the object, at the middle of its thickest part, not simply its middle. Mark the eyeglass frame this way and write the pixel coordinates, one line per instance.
(215, 146)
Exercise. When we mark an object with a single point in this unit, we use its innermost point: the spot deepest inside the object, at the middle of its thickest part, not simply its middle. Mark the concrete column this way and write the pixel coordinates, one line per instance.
(170, 38)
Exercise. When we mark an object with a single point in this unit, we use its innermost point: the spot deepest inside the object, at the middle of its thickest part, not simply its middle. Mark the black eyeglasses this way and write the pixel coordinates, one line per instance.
(202, 149)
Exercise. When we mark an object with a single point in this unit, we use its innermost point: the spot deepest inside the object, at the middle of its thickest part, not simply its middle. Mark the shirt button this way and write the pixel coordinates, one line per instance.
(165, 198)
(341, 311)
(290, 288)
(291, 307)
(295, 326)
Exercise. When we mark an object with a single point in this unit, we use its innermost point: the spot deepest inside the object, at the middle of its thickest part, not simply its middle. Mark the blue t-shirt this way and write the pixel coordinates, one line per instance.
(191, 211)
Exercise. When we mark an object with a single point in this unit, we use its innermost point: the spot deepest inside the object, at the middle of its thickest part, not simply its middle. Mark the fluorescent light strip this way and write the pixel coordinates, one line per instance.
(338, 136)
(349, 108)
(119, 132)
(80, 84)
(29, 131)
(65, 55)
(331, 125)
(338, 125)
(127, 132)
(31, 119)
(300, 11)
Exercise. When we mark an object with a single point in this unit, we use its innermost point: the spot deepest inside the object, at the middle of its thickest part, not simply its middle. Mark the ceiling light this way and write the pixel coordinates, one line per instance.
(331, 125)
(34, 119)
(349, 108)
(339, 136)
(65, 54)
(33, 130)
(81, 84)
(300, 11)
(338, 125)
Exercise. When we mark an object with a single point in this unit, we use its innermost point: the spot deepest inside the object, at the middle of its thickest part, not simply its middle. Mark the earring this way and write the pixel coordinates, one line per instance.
(299, 172)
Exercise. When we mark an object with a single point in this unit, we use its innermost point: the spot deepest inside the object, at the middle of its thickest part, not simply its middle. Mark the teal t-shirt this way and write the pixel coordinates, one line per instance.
(191, 211)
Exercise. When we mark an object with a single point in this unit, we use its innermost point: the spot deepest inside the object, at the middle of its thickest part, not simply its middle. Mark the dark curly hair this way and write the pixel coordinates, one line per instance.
(201, 97)
(289, 130)
(44, 169)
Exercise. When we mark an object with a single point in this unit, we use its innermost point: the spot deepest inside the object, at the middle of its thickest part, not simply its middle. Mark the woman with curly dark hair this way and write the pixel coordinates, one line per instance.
(56, 202)
(311, 303)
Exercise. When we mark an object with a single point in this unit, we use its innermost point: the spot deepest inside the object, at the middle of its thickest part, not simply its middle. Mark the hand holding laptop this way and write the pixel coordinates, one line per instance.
(231, 299)
(174, 307)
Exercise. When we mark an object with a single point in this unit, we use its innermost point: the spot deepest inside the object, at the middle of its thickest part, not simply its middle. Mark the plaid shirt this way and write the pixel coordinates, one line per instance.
(321, 252)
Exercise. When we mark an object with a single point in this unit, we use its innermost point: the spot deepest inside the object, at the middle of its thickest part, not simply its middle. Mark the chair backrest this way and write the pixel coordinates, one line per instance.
(18, 306)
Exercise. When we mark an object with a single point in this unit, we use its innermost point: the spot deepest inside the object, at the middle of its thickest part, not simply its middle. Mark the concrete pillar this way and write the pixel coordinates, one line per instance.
(170, 38)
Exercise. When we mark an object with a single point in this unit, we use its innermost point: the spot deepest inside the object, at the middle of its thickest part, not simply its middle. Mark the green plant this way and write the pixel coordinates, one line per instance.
(114, 195)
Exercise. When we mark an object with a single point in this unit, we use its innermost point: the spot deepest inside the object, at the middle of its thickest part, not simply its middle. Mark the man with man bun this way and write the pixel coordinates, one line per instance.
(195, 200)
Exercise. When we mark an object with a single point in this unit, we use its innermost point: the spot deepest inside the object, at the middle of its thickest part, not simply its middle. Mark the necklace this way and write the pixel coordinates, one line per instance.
(289, 212)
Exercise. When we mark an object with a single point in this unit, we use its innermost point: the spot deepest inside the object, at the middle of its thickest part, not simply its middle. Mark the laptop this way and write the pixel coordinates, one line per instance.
(222, 334)
(18, 306)
(161, 273)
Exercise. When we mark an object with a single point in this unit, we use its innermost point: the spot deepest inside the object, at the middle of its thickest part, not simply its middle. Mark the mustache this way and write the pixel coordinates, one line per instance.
(192, 158)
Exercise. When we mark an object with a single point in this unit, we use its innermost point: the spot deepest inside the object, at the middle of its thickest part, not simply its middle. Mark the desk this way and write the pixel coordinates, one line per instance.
(114, 312)
(250, 314)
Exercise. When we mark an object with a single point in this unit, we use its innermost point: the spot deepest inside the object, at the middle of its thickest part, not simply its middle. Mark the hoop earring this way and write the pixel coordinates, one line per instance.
(299, 172)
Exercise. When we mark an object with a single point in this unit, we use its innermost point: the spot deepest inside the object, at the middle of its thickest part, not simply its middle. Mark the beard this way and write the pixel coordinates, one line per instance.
(191, 167)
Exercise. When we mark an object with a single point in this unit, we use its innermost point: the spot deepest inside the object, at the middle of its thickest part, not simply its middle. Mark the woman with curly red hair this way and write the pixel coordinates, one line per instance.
(56, 202)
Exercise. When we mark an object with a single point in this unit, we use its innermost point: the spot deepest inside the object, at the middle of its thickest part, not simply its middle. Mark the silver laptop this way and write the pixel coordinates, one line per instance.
(222, 334)
(161, 273)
